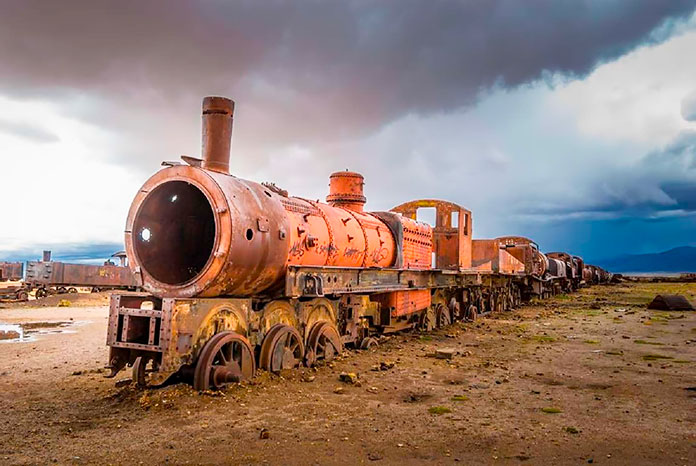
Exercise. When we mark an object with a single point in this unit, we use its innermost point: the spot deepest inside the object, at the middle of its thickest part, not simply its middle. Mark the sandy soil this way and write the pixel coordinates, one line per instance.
(592, 377)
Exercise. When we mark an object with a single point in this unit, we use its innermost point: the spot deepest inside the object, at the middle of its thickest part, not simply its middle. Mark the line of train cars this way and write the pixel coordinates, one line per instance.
(239, 275)
(47, 277)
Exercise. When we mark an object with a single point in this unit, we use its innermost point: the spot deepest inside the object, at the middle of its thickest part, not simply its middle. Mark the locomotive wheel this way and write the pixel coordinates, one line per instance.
(472, 313)
(499, 302)
(41, 293)
(226, 358)
(323, 344)
(455, 309)
(140, 371)
(428, 320)
(72, 289)
(281, 349)
(369, 342)
(443, 316)
(95, 289)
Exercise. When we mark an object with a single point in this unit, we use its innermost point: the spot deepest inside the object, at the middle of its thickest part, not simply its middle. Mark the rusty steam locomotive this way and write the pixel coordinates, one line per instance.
(240, 275)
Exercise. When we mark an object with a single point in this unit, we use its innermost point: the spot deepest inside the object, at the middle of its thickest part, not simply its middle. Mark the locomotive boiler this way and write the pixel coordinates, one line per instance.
(239, 275)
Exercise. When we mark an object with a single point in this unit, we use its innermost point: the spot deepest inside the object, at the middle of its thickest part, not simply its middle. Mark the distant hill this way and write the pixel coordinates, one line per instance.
(681, 259)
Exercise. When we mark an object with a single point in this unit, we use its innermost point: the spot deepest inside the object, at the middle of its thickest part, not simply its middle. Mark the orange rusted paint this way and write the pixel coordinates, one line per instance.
(346, 190)
(218, 114)
(324, 235)
(417, 245)
(401, 303)
(527, 252)
(240, 235)
(488, 255)
(451, 234)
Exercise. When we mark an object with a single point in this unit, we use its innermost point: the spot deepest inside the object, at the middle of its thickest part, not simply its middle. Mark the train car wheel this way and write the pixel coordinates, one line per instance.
(428, 320)
(455, 309)
(72, 290)
(324, 344)
(369, 342)
(22, 296)
(61, 290)
(140, 371)
(41, 293)
(472, 313)
(226, 358)
(499, 302)
(281, 349)
(443, 316)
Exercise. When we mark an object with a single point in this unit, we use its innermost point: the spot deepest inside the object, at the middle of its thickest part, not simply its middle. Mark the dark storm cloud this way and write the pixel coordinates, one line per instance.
(661, 184)
(27, 131)
(312, 70)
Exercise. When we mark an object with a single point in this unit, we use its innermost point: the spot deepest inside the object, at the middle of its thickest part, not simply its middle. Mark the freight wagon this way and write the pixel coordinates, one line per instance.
(11, 271)
(51, 277)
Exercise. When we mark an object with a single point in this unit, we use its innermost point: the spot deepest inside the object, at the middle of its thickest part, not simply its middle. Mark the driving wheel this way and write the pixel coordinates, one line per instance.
(226, 358)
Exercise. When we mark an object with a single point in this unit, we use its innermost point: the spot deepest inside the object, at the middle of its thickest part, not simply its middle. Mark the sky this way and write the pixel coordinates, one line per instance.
(573, 123)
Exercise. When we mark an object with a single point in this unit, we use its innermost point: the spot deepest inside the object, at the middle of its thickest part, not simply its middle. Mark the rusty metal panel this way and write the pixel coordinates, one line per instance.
(452, 244)
(579, 264)
(402, 303)
(567, 259)
(320, 281)
(175, 329)
(11, 271)
(556, 268)
(525, 251)
(509, 264)
(485, 254)
(417, 244)
(41, 273)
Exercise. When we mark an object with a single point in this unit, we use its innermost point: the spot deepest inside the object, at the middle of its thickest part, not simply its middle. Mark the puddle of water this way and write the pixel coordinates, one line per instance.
(27, 331)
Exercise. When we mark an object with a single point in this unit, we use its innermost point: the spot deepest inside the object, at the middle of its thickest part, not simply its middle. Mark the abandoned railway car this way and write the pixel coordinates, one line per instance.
(48, 277)
(239, 275)
(11, 271)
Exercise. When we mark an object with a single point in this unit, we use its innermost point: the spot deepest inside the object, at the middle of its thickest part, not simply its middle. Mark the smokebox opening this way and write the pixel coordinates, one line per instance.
(174, 232)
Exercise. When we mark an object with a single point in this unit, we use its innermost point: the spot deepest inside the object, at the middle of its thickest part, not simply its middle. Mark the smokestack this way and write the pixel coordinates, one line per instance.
(46, 256)
(218, 113)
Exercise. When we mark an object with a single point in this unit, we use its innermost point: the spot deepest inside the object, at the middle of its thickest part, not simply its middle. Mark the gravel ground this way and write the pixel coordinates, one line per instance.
(592, 377)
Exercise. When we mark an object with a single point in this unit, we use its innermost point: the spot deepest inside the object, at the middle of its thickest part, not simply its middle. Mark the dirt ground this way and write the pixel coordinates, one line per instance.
(593, 377)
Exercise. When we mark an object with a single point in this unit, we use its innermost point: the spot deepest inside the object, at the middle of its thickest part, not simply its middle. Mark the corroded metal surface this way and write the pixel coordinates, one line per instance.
(567, 259)
(346, 190)
(218, 114)
(226, 358)
(11, 271)
(323, 344)
(451, 234)
(46, 274)
(526, 252)
(401, 303)
(282, 348)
